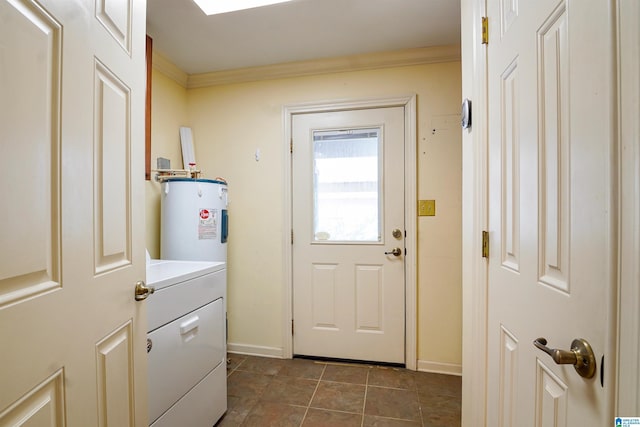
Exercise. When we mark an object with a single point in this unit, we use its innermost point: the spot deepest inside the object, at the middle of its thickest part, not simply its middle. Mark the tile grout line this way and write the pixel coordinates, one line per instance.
(364, 402)
(306, 411)
(419, 405)
(236, 368)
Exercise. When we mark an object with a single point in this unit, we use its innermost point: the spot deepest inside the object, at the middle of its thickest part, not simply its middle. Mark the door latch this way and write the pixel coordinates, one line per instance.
(394, 252)
(580, 356)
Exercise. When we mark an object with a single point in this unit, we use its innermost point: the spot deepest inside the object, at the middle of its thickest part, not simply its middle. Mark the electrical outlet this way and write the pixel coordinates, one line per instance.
(426, 207)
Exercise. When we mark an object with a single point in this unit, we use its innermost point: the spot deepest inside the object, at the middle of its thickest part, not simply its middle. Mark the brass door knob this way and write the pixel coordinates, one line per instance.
(142, 291)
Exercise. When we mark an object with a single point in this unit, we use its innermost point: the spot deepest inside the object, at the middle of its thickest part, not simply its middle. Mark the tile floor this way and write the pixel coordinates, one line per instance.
(266, 392)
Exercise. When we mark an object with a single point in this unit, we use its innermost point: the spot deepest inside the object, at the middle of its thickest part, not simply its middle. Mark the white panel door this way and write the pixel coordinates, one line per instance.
(72, 217)
(348, 197)
(551, 264)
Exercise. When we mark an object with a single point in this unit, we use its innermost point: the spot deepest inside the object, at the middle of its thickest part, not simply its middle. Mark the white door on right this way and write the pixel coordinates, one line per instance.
(551, 211)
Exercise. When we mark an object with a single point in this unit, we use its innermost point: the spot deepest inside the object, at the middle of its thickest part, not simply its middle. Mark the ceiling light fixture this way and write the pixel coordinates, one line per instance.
(213, 7)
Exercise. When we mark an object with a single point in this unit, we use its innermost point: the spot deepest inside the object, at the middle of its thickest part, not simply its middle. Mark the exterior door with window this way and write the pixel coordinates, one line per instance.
(348, 234)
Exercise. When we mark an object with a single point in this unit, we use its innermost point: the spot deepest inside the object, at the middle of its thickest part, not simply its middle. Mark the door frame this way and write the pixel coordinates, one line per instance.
(627, 399)
(408, 102)
(475, 218)
(623, 328)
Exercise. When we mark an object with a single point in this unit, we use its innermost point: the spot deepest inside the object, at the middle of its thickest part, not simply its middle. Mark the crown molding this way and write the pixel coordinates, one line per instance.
(169, 69)
(398, 58)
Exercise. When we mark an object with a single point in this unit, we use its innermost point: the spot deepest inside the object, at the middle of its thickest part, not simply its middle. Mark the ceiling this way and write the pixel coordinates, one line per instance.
(299, 30)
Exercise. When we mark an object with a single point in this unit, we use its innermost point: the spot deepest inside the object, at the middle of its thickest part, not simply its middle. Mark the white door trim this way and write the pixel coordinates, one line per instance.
(410, 190)
(474, 217)
(628, 340)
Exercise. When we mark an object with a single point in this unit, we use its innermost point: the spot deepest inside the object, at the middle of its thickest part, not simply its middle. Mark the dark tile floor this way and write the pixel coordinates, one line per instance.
(266, 392)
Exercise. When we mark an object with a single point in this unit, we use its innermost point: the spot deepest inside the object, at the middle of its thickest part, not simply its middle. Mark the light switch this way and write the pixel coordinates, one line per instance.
(426, 208)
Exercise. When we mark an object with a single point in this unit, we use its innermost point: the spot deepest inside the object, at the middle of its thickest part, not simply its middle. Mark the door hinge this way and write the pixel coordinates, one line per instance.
(485, 30)
(291, 146)
(292, 237)
(485, 244)
(292, 327)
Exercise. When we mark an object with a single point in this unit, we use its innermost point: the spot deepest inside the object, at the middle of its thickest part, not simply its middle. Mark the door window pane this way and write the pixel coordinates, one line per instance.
(346, 185)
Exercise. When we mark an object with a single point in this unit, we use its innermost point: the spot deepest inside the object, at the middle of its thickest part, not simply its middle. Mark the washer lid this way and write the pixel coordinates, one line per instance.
(162, 273)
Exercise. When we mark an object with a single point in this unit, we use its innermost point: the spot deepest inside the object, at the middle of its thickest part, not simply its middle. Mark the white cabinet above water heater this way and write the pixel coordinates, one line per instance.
(194, 220)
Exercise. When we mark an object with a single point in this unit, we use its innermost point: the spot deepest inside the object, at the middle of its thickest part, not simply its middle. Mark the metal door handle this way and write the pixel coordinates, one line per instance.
(580, 356)
(394, 252)
(142, 291)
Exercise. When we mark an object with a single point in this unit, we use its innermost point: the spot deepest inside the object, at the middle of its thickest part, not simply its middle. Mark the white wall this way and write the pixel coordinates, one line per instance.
(231, 121)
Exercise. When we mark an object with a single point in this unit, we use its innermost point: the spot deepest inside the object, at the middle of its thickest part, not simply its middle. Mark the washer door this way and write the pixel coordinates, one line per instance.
(182, 353)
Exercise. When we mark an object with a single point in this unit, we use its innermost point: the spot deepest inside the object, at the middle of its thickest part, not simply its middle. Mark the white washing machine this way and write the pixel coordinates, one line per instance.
(186, 343)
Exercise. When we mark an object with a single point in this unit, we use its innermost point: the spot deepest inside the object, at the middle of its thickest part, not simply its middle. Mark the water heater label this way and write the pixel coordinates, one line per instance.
(208, 224)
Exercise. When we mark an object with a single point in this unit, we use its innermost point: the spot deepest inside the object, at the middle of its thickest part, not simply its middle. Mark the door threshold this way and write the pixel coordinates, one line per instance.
(339, 361)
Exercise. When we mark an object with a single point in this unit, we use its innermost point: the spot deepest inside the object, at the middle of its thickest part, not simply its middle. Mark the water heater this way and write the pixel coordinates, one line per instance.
(194, 220)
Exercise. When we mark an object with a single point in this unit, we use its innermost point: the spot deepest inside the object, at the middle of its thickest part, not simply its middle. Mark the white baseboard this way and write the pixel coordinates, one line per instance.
(277, 353)
(440, 368)
(255, 350)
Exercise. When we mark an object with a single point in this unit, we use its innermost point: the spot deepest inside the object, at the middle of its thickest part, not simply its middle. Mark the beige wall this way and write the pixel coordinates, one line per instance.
(168, 113)
(230, 122)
